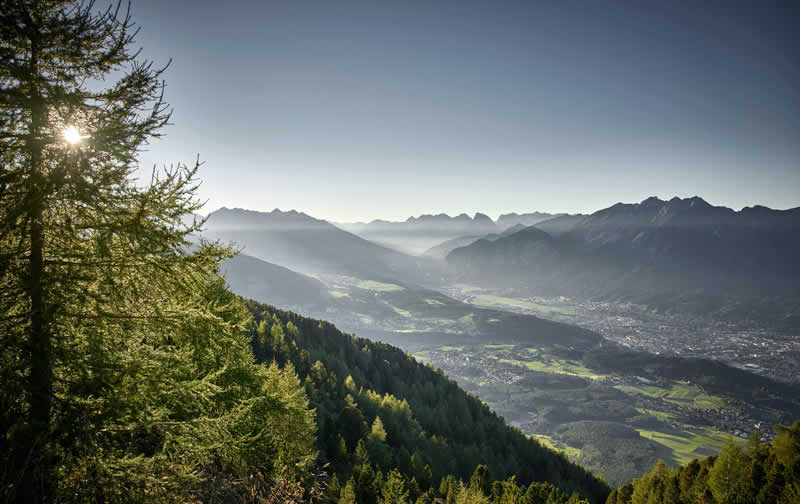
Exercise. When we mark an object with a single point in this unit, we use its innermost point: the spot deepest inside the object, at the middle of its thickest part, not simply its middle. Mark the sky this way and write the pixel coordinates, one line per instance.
(352, 111)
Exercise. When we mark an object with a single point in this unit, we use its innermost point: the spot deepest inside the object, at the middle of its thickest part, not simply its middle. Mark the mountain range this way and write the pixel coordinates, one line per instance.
(441, 250)
(681, 253)
(416, 235)
(508, 220)
(308, 245)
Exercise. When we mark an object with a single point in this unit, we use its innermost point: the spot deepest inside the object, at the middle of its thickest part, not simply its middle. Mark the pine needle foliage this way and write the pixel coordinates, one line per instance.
(124, 373)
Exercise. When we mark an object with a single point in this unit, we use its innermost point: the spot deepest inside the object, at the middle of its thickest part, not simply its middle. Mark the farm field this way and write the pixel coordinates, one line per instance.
(494, 301)
(688, 445)
(378, 286)
(679, 393)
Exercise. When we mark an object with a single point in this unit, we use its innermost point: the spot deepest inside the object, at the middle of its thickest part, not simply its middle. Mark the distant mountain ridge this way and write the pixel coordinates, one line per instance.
(240, 218)
(461, 223)
(508, 220)
(440, 251)
(416, 235)
(668, 253)
(309, 245)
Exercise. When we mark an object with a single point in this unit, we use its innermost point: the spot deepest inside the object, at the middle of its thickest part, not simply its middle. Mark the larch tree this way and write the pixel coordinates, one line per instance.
(124, 370)
(728, 479)
(394, 490)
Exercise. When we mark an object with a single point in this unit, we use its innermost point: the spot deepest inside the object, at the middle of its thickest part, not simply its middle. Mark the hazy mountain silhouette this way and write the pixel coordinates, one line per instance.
(508, 220)
(440, 251)
(676, 253)
(417, 235)
(270, 283)
(561, 224)
(303, 243)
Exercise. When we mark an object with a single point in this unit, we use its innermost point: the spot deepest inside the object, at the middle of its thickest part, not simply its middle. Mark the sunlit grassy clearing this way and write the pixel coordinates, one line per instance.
(421, 355)
(661, 415)
(465, 287)
(570, 451)
(542, 362)
(378, 286)
(557, 366)
(678, 393)
(400, 311)
(452, 348)
(492, 300)
(686, 445)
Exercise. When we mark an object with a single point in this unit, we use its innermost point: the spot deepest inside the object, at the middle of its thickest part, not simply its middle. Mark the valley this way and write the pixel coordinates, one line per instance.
(411, 316)
(616, 422)
(550, 394)
(614, 385)
(753, 347)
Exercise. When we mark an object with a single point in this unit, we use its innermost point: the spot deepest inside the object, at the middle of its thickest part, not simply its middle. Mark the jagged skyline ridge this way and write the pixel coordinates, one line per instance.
(375, 110)
(512, 217)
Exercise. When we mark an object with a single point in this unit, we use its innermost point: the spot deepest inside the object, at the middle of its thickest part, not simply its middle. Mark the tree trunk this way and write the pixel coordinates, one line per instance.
(38, 477)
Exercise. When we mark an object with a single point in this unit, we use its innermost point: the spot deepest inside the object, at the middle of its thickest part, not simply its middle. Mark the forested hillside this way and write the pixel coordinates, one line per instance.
(373, 400)
(758, 474)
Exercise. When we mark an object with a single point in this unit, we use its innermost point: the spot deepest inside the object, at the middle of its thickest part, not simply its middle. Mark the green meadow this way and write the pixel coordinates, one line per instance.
(378, 286)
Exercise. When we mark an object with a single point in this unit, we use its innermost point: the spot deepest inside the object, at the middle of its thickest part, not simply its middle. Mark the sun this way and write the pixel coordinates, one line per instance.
(72, 135)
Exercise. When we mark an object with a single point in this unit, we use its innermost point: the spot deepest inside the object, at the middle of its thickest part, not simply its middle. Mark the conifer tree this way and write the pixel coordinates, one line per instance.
(480, 480)
(348, 493)
(728, 478)
(377, 432)
(394, 490)
(334, 488)
(379, 451)
(121, 347)
(426, 479)
(775, 482)
(787, 444)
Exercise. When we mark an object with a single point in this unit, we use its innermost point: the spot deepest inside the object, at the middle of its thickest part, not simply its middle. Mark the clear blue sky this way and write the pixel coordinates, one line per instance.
(354, 111)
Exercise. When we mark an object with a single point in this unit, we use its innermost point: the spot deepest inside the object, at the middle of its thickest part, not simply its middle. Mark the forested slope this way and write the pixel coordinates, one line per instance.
(374, 399)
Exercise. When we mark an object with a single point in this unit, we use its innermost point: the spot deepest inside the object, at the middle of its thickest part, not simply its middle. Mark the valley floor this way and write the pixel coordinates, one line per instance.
(753, 348)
